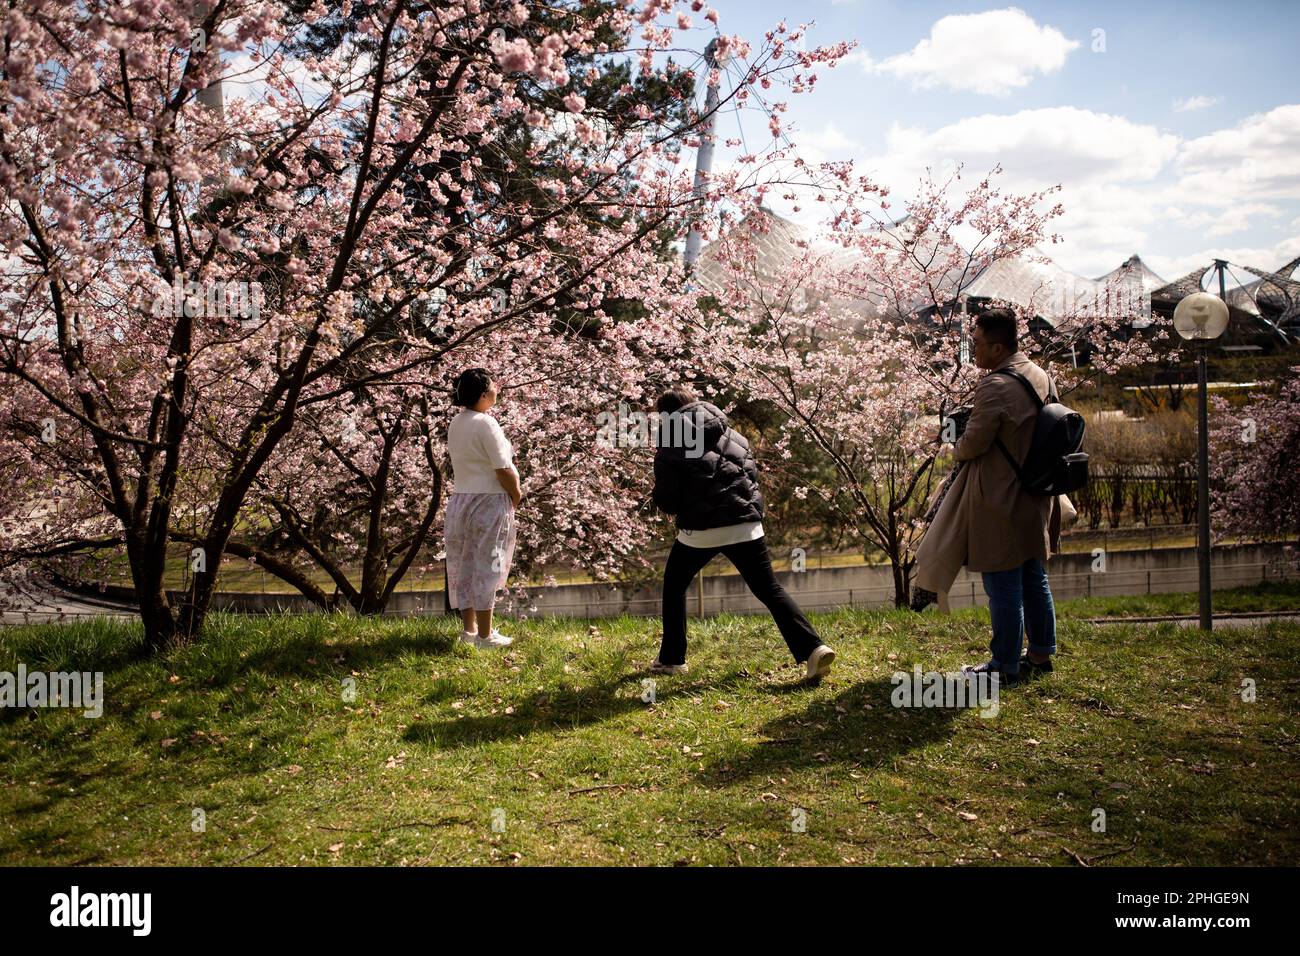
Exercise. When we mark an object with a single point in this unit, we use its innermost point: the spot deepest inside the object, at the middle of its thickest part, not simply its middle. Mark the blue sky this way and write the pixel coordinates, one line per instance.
(1175, 133)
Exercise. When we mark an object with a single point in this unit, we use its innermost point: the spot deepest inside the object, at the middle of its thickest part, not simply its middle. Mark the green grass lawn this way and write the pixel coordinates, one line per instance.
(1270, 596)
(552, 742)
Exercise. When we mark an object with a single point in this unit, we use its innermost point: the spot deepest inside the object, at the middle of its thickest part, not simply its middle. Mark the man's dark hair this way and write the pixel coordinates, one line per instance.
(999, 327)
(675, 398)
(470, 386)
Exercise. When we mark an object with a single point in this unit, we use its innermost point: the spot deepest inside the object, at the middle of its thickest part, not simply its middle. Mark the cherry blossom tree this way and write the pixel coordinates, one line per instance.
(185, 286)
(359, 483)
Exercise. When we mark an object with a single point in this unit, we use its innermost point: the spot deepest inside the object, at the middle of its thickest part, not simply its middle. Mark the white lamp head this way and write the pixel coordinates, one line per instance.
(1201, 316)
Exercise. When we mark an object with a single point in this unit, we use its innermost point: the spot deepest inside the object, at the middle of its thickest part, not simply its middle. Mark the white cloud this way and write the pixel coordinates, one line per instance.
(1255, 159)
(829, 143)
(1225, 222)
(1261, 257)
(1127, 187)
(992, 53)
(1190, 103)
(1037, 148)
(859, 57)
(245, 77)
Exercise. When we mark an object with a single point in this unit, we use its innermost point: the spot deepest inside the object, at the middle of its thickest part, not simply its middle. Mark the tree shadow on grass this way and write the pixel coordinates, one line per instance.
(74, 759)
(72, 647)
(313, 657)
(564, 709)
(837, 730)
(305, 657)
(217, 657)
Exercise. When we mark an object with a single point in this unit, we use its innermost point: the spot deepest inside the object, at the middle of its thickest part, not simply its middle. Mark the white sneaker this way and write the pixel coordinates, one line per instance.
(657, 668)
(819, 662)
(495, 639)
(469, 637)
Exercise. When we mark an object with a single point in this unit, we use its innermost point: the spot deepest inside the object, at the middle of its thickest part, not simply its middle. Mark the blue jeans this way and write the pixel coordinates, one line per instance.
(1020, 602)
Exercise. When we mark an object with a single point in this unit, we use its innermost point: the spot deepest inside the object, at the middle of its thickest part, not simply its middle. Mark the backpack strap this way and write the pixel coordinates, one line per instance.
(1033, 392)
(1015, 465)
(1038, 403)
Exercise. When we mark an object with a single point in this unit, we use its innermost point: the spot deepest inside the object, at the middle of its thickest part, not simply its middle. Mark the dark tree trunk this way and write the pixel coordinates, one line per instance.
(901, 596)
(155, 611)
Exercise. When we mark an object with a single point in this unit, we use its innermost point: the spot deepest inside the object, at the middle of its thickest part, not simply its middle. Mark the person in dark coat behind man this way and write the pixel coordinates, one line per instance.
(705, 476)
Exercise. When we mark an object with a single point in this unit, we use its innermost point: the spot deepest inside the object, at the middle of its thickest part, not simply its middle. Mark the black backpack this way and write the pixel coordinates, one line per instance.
(1056, 463)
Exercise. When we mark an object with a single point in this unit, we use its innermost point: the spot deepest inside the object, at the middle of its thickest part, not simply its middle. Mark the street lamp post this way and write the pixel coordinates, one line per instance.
(1200, 318)
(704, 158)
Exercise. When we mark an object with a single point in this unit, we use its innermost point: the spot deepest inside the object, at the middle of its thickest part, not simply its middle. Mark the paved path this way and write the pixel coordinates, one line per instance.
(1227, 619)
(47, 606)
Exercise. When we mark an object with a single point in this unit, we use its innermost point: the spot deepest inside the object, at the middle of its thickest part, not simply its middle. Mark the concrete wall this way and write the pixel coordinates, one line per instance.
(1072, 575)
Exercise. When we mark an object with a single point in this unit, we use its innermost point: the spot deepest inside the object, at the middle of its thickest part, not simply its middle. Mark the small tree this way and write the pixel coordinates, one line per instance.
(1255, 464)
(856, 337)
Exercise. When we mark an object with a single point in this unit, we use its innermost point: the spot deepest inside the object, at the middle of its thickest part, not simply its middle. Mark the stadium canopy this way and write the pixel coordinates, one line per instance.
(1133, 271)
(1032, 282)
(1265, 304)
(1037, 284)
(1268, 301)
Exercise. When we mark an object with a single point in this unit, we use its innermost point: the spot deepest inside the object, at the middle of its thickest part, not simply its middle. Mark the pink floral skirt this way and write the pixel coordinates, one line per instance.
(480, 540)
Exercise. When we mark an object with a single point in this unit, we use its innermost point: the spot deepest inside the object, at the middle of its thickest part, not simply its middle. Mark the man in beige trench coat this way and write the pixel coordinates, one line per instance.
(987, 521)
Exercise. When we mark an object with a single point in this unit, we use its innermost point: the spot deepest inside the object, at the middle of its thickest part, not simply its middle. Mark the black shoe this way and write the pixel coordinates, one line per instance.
(1033, 669)
(1004, 679)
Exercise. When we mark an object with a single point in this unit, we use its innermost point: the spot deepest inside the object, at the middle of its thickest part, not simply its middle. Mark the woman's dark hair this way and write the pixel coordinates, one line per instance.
(469, 387)
(999, 327)
(675, 398)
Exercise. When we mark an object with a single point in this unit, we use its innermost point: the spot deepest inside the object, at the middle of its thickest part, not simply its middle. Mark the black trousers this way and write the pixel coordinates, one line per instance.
(752, 561)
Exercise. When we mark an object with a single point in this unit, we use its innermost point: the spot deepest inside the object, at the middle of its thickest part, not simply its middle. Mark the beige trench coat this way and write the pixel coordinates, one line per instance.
(986, 522)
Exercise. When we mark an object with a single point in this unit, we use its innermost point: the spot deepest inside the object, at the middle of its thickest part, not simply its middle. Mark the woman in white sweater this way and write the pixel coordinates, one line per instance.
(480, 521)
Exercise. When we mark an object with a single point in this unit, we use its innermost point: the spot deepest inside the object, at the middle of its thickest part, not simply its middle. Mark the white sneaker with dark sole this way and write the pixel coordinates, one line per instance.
(495, 639)
(657, 668)
(819, 662)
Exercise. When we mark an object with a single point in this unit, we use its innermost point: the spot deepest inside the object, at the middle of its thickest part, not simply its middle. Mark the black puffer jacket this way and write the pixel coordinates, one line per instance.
(704, 471)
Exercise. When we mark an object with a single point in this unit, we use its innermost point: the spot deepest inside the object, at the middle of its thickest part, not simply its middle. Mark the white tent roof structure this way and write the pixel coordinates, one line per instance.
(1133, 271)
(1276, 290)
(1279, 294)
(1032, 282)
(1036, 283)
(777, 243)
(1130, 285)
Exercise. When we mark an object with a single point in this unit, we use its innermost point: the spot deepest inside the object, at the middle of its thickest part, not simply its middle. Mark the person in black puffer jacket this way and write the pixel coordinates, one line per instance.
(706, 477)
